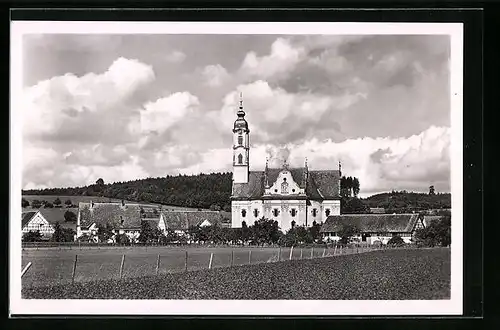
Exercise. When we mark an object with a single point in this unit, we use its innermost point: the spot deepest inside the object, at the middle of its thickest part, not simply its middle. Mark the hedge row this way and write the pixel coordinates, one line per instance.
(384, 275)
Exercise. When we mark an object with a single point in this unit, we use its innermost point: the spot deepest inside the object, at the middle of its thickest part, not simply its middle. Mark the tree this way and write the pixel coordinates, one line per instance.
(48, 205)
(265, 231)
(57, 202)
(36, 204)
(396, 240)
(68, 203)
(214, 207)
(353, 205)
(32, 236)
(104, 232)
(437, 233)
(122, 239)
(431, 190)
(314, 230)
(62, 234)
(245, 232)
(70, 216)
(148, 234)
(24, 203)
(346, 232)
(355, 187)
(100, 182)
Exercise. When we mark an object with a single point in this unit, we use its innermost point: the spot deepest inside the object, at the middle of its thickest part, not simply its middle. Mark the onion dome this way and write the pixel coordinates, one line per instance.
(240, 122)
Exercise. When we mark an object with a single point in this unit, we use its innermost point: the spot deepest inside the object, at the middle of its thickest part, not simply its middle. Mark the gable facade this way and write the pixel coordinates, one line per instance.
(35, 221)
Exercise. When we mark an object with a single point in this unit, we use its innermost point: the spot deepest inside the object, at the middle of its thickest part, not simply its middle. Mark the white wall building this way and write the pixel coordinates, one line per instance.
(283, 194)
(35, 221)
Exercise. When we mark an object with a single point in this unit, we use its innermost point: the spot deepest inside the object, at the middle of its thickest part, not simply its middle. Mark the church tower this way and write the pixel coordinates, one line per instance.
(241, 147)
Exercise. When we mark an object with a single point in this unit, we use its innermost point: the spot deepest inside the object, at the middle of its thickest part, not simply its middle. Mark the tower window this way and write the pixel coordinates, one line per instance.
(315, 212)
(240, 159)
(276, 212)
(240, 140)
(293, 212)
(255, 213)
(327, 212)
(243, 213)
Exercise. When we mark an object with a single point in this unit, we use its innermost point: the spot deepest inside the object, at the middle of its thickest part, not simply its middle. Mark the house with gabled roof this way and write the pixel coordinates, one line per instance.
(180, 221)
(287, 195)
(35, 221)
(373, 227)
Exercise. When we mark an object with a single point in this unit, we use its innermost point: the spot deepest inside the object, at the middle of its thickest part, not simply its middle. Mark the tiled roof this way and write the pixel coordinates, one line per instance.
(153, 222)
(26, 217)
(112, 213)
(320, 184)
(401, 223)
(182, 220)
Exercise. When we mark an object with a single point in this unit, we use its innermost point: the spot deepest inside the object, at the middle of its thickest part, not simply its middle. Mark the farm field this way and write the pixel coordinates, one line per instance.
(379, 275)
(54, 265)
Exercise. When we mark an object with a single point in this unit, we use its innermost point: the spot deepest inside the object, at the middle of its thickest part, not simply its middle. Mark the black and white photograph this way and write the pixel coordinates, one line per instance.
(212, 168)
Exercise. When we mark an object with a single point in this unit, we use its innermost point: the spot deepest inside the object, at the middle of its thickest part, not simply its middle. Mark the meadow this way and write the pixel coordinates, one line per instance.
(399, 274)
(55, 265)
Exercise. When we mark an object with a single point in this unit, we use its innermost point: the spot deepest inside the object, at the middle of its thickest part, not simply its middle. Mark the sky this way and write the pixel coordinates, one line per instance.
(125, 107)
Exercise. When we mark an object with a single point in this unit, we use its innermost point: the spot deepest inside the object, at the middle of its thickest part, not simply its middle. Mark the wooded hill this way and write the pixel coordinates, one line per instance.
(214, 191)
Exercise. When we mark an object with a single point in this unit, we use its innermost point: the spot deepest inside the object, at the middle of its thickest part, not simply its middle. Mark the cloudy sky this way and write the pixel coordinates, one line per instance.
(124, 107)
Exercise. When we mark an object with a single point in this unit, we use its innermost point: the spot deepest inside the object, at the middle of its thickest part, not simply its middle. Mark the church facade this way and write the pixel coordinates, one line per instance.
(291, 196)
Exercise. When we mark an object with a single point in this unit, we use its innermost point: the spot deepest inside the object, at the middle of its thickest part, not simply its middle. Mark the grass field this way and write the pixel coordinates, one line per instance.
(53, 265)
(380, 275)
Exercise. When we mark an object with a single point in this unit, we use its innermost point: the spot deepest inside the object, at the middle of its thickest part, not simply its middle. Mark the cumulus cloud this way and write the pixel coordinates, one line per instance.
(71, 105)
(282, 58)
(175, 56)
(160, 115)
(215, 75)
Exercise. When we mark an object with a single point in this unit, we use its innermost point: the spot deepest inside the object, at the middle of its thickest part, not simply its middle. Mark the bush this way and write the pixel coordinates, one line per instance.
(24, 203)
(69, 216)
(122, 239)
(396, 240)
(32, 236)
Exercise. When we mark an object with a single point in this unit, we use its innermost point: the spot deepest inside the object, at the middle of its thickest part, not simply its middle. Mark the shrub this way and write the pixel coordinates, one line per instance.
(24, 203)
(32, 236)
(69, 216)
(396, 240)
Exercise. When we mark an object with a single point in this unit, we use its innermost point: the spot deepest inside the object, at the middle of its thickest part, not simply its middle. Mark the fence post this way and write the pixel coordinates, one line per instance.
(334, 250)
(186, 262)
(279, 254)
(301, 253)
(157, 264)
(121, 266)
(25, 269)
(324, 250)
(232, 258)
(74, 269)
(250, 257)
(210, 263)
(291, 251)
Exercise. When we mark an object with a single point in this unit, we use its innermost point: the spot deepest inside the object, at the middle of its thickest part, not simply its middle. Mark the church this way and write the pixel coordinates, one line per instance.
(291, 196)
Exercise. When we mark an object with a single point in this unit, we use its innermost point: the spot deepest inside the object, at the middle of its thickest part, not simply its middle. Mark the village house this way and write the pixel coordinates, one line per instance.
(373, 227)
(35, 221)
(180, 221)
(290, 196)
(123, 218)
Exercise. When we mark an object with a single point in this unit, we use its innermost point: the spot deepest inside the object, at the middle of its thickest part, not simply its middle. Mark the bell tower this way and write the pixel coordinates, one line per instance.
(241, 147)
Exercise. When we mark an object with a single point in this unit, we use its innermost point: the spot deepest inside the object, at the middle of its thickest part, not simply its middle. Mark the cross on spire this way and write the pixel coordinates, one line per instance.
(241, 100)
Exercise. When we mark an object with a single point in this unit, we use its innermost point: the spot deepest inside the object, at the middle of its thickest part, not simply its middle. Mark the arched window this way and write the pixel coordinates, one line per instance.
(327, 212)
(293, 212)
(284, 187)
(240, 140)
(243, 213)
(276, 212)
(315, 212)
(293, 223)
(240, 159)
(255, 213)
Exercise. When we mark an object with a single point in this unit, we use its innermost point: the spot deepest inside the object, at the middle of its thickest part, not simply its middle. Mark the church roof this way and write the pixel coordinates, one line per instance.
(112, 213)
(320, 184)
(381, 223)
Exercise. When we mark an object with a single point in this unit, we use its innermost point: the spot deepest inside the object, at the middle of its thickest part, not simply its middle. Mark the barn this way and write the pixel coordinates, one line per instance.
(180, 221)
(373, 227)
